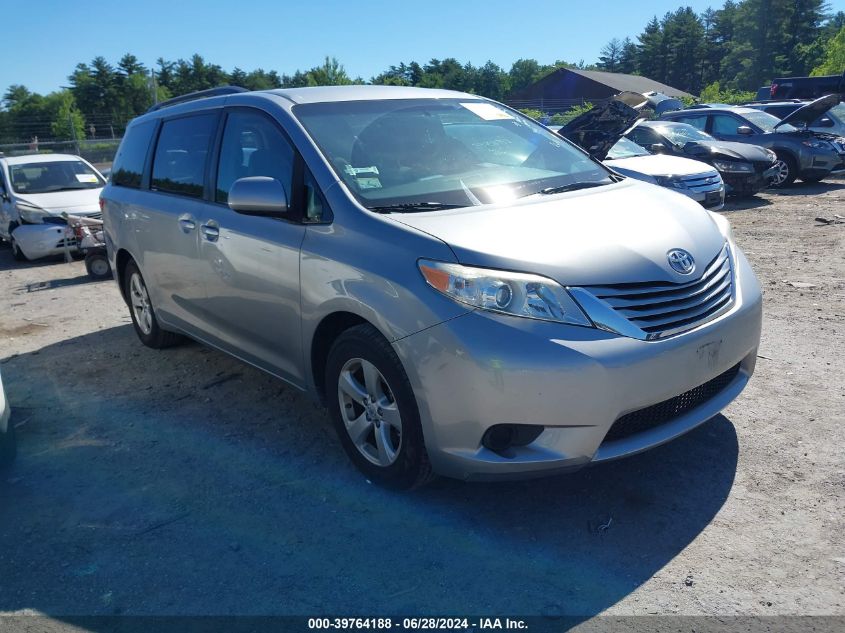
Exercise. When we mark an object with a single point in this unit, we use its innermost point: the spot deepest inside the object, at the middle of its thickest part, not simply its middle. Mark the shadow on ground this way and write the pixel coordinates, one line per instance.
(183, 482)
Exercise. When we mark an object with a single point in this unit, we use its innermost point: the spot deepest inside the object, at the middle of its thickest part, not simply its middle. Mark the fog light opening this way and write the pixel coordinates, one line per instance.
(501, 437)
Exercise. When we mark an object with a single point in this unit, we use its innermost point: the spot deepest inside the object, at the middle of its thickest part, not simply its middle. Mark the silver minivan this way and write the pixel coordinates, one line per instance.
(468, 293)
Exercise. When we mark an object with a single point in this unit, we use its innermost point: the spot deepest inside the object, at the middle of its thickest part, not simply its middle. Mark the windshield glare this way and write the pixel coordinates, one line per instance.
(626, 148)
(681, 133)
(51, 176)
(455, 152)
(767, 122)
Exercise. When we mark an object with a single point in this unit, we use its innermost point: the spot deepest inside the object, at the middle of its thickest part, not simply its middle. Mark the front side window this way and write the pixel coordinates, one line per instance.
(60, 175)
(253, 146)
(445, 152)
(725, 124)
(129, 163)
(179, 161)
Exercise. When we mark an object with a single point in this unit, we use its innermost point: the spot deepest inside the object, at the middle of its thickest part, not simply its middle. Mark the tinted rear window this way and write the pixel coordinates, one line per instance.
(179, 162)
(129, 163)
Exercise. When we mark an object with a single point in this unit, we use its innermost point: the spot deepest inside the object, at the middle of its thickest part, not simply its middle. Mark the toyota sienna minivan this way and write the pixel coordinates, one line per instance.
(468, 293)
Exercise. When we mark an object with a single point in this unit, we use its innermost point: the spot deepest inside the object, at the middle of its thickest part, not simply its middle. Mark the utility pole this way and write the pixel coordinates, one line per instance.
(73, 132)
(154, 85)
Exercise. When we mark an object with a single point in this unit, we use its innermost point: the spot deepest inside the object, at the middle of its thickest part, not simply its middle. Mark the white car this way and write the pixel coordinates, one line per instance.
(34, 192)
(7, 431)
(601, 133)
(695, 179)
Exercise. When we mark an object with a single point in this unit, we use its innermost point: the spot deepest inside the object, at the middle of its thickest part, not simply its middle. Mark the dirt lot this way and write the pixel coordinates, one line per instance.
(183, 482)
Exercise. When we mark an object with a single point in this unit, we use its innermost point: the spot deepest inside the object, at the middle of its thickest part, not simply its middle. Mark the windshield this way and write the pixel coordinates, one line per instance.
(62, 175)
(767, 122)
(838, 111)
(410, 154)
(681, 133)
(626, 148)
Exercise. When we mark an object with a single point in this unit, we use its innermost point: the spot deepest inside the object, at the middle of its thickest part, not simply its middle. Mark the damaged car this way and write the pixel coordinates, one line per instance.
(801, 152)
(601, 132)
(746, 169)
(35, 191)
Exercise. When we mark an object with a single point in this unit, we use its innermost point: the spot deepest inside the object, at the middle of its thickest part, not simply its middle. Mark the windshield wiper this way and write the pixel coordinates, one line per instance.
(410, 207)
(573, 186)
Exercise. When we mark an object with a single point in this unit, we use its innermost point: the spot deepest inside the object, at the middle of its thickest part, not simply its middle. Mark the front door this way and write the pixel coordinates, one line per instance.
(251, 263)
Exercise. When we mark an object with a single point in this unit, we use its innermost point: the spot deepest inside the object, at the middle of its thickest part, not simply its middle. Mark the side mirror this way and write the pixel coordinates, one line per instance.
(657, 148)
(744, 130)
(258, 195)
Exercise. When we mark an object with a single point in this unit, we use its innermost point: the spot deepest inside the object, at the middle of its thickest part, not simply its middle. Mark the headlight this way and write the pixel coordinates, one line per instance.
(771, 155)
(733, 166)
(517, 294)
(670, 181)
(817, 144)
(30, 214)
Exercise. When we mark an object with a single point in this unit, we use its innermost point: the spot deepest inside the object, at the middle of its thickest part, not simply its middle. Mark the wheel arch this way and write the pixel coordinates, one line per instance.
(326, 333)
(122, 259)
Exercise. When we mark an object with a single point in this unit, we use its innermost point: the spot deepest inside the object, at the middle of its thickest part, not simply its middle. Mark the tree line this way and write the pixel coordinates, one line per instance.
(718, 54)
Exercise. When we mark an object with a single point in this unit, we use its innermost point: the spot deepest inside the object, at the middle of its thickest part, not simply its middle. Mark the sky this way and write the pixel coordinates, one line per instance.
(44, 39)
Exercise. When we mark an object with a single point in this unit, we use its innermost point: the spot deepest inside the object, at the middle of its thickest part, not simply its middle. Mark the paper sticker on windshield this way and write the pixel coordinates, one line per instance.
(365, 177)
(487, 111)
(86, 177)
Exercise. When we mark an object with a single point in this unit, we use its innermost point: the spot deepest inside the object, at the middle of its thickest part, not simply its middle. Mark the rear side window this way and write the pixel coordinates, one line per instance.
(179, 161)
(699, 121)
(129, 163)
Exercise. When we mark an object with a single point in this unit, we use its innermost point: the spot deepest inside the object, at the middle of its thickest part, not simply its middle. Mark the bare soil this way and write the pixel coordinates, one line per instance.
(184, 482)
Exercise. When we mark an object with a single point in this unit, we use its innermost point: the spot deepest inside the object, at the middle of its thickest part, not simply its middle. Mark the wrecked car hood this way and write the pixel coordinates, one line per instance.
(598, 129)
(805, 115)
(710, 150)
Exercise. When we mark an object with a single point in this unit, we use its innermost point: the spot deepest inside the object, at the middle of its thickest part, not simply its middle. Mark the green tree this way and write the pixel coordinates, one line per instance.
(834, 56)
(611, 55)
(628, 57)
(68, 122)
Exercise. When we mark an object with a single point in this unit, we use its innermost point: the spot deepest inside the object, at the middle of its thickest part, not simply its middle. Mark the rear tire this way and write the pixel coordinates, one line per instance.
(374, 410)
(787, 171)
(143, 315)
(812, 179)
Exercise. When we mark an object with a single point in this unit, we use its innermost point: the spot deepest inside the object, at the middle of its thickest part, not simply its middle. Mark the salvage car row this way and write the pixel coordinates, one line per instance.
(748, 148)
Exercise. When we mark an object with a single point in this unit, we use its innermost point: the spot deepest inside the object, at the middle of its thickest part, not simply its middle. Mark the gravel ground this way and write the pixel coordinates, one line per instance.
(184, 482)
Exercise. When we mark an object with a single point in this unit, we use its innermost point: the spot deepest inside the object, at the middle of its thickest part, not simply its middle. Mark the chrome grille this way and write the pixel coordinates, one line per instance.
(703, 182)
(660, 309)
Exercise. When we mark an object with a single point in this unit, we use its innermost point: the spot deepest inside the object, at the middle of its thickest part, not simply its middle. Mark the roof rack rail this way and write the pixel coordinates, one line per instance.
(199, 94)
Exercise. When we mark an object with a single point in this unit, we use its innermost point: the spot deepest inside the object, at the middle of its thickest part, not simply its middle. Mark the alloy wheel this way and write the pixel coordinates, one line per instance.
(141, 307)
(782, 173)
(370, 412)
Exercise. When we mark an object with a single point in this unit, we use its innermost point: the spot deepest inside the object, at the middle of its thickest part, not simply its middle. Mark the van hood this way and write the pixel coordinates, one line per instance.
(805, 115)
(659, 165)
(77, 201)
(617, 233)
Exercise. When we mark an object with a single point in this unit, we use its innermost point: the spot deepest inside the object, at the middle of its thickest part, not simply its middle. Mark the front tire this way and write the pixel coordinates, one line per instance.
(374, 410)
(97, 265)
(8, 447)
(17, 253)
(787, 171)
(141, 310)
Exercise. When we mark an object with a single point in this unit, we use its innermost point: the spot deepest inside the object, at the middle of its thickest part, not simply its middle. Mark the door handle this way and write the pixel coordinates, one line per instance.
(187, 223)
(210, 232)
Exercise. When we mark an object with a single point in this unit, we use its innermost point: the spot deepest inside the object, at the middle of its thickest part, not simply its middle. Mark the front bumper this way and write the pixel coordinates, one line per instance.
(43, 240)
(747, 184)
(483, 369)
(712, 197)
